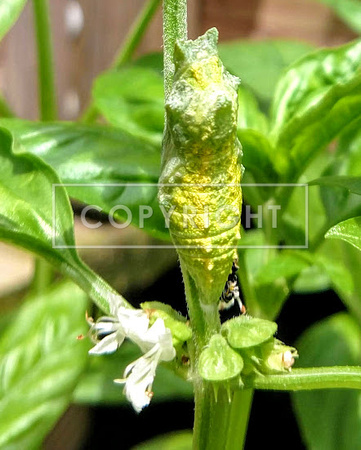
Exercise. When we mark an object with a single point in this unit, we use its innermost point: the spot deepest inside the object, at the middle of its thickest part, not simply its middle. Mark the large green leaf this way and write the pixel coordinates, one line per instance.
(334, 341)
(347, 10)
(27, 217)
(96, 386)
(132, 99)
(349, 231)
(305, 136)
(40, 365)
(306, 82)
(9, 13)
(316, 99)
(250, 61)
(96, 155)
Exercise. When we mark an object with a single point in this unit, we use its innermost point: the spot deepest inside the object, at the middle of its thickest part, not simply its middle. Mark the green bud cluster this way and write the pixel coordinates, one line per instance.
(245, 346)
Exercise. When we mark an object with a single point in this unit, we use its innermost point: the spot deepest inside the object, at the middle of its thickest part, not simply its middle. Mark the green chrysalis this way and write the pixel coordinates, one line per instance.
(201, 173)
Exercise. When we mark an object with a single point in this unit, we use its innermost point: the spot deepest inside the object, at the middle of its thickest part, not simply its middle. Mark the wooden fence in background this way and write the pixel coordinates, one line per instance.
(84, 50)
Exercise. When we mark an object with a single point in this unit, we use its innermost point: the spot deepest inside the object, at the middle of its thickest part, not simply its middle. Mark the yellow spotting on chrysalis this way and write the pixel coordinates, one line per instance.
(201, 171)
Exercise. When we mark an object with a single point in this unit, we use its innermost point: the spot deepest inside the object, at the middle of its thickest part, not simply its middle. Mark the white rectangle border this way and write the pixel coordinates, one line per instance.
(283, 247)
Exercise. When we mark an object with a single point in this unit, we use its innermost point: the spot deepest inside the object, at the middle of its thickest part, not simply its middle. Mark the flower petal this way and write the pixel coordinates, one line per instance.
(138, 378)
(107, 345)
(134, 322)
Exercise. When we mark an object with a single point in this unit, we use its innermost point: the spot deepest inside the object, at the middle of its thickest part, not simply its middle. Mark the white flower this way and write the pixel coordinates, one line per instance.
(139, 375)
(109, 332)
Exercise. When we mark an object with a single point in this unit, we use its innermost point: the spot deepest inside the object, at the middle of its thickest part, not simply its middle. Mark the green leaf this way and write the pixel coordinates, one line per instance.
(348, 10)
(250, 61)
(339, 275)
(93, 155)
(303, 138)
(312, 279)
(350, 145)
(26, 218)
(270, 299)
(9, 12)
(334, 341)
(218, 362)
(316, 100)
(257, 156)
(267, 298)
(284, 265)
(308, 81)
(96, 386)
(273, 281)
(340, 185)
(178, 440)
(132, 99)
(326, 270)
(153, 60)
(349, 231)
(295, 223)
(249, 114)
(339, 191)
(349, 258)
(245, 331)
(40, 364)
(352, 184)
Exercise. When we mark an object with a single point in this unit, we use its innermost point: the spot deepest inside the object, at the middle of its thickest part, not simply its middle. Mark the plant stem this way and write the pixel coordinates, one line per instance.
(204, 319)
(126, 52)
(47, 104)
(43, 276)
(220, 421)
(238, 419)
(135, 34)
(211, 417)
(174, 28)
(46, 80)
(347, 377)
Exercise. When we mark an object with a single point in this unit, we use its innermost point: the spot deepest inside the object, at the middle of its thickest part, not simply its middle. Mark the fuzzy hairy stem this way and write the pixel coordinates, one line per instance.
(174, 28)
